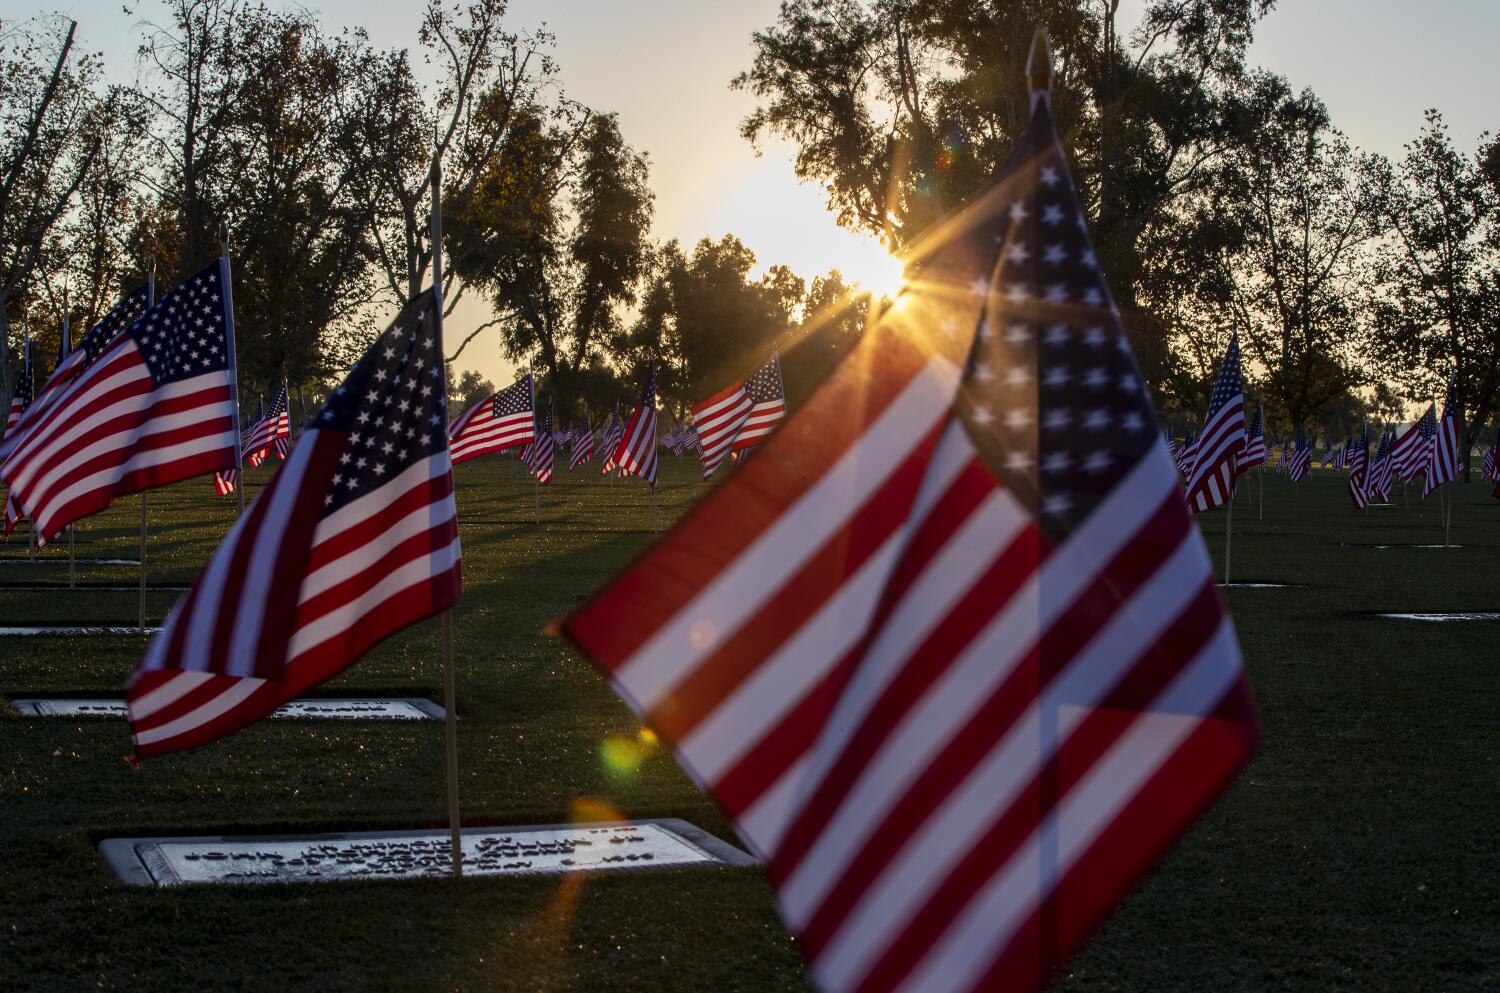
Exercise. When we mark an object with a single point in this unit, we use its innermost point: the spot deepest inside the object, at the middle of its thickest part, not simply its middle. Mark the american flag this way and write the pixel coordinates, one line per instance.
(495, 424)
(1183, 456)
(1379, 486)
(1487, 465)
(1222, 439)
(609, 439)
(1329, 457)
(1359, 468)
(225, 481)
(20, 400)
(1443, 462)
(1255, 446)
(154, 406)
(253, 456)
(718, 420)
(636, 452)
(1301, 458)
(583, 443)
(951, 654)
(1410, 453)
(539, 453)
(272, 425)
(355, 539)
(70, 363)
(767, 404)
(1346, 454)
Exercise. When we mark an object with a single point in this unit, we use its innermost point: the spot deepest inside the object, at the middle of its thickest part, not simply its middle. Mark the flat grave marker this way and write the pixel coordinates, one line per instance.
(490, 851)
(1462, 615)
(346, 708)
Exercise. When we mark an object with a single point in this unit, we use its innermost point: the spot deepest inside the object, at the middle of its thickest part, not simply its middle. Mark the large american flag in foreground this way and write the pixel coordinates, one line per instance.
(152, 406)
(950, 653)
(495, 424)
(353, 540)
(1443, 460)
(1220, 443)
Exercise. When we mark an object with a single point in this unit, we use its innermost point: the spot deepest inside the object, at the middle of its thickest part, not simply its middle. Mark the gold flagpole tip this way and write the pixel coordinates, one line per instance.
(1039, 62)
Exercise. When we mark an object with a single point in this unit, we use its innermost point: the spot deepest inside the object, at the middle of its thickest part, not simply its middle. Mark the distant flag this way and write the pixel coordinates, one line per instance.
(1443, 462)
(1222, 439)
(954, 663)
(1330, 456)
(636, 451)
(352, 541)
(1487, 465)
(1410, 452)
(541, 451)
(1301, 458)
(609, 439)
(583, 443)
(1255, 444)
(1359, 468)
(170, 412)
(718, 420)
(20, 401)
(1379, 487)
(225, 481)
(1183, 457)
(253, 456)
(282, 446)
(767, 404)
(495, 423)
(1346, 458)
(274, 424)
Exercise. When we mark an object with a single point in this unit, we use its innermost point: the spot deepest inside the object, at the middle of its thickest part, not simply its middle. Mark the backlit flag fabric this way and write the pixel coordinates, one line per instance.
(1183, 456)
(950, 653)
(609, 439)
(154, 407)
(495, 424)
(1222, 439)
(1301, 458)
(225, 480)
(540, 452)
(1487, 465)
(20, 401)
(718, 420)
(583, 443)
(636, 453)
(767, 404)
(1379, 486)
(1443, 460)
(1255, 444)
(354, 539)
(274, 424)
(1359, 469)
(1411, 451)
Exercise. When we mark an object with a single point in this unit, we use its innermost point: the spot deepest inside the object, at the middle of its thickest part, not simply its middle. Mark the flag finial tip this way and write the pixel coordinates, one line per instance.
(1039, 62)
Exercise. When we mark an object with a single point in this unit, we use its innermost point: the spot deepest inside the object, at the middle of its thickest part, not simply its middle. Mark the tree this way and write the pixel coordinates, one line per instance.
(834, 317)
(1297, 198)
(471, 388)
(52, 123)
(1440, 273)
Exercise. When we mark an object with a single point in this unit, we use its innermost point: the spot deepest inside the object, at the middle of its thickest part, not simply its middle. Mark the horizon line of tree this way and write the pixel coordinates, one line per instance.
(1221, 198)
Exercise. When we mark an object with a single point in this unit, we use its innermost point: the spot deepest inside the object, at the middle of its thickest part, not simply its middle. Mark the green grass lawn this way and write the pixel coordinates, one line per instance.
(1357, 851)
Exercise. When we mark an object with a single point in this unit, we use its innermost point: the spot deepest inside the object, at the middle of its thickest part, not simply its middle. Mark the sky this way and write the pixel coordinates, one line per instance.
(665, 65)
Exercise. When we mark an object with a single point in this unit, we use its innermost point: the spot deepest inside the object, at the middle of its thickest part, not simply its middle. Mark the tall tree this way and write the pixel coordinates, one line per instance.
(1440, 273)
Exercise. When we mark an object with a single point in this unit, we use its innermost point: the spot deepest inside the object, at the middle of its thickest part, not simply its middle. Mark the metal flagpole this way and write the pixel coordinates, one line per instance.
(140, 613)
(450, 719)
(30, 524)
(234, 368)
(536, 487)
(1228, 536)
(68, 337)
(1261, 477)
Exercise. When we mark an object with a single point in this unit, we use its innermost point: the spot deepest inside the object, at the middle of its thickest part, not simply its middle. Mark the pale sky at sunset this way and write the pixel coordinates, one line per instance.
(664, 66)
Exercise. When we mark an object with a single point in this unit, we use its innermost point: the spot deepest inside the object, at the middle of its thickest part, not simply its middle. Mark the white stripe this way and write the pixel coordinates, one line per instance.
(355, 512)
(167, 693)
(335, 623)
(35, 454)
(702, 624)
(988, 924)
(230, 698)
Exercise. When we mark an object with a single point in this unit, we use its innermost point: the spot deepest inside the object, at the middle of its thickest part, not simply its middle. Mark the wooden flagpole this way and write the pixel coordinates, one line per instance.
(234, 369)
(140, 612)
(450, 715)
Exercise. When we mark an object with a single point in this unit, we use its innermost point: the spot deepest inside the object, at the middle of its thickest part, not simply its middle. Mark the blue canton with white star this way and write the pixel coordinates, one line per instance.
(186, 334)
(392, 406)
(764, 384)
(1051, 395)
(514, 399)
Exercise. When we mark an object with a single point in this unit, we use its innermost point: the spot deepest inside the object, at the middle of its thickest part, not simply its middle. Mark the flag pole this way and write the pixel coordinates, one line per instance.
(1261, 479)
(1228, 535)
(140, 613)
(450, 716)
(30, 524)
(68, 336)
(536, 487)
(234, 368)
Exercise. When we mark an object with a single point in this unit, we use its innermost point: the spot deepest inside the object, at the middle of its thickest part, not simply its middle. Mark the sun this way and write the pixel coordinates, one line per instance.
(876, 270)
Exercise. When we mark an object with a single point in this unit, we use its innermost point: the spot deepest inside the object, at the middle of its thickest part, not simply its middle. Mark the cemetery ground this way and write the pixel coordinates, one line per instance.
(1358, 850)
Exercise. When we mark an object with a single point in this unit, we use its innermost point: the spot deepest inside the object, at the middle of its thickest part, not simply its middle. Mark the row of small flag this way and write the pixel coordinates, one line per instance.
(1226, 448)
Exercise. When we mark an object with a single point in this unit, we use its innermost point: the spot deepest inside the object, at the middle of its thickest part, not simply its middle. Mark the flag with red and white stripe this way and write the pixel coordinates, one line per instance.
(269, 427)
(225, 480)
(496, 423)
(1443, 460)
(539, 454)
(1216, 458)
(1255, 444)
(1359, 468)
(1300, 460)
(950, 654)
(635, 453)
(353, 540)
(767, 404)
(155, 406)
(609, 439)
(1379, 486)
(718, 420)
(1411, 451)
(583, 443)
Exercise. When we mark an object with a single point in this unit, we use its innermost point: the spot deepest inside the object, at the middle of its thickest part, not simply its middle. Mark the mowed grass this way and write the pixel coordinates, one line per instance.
(1357, 852)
